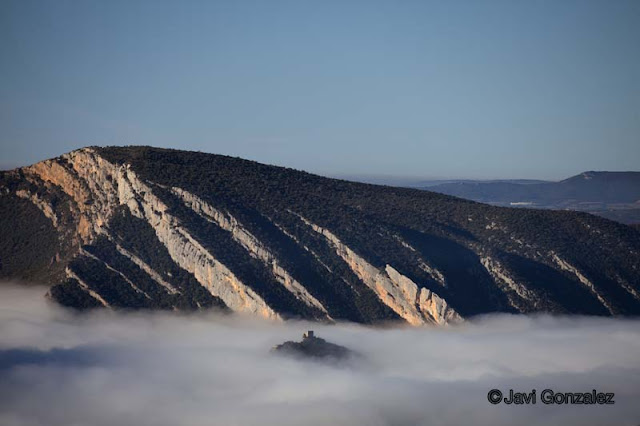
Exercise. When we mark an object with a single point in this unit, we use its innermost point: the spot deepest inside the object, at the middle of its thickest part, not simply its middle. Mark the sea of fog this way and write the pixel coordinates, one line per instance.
(107, 368)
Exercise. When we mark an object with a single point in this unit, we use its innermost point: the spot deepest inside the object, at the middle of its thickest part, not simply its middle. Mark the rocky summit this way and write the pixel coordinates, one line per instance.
(148, 228)
(314, 347)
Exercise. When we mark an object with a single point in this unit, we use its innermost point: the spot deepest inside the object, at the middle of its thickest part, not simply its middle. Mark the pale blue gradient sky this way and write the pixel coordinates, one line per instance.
(468, 89)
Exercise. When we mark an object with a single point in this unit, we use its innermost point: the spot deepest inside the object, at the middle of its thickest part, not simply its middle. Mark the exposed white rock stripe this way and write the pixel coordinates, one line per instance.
(85, 287)
(417, 306)
(111, 268)
(146, 268)
(584, 280)
(632, 291)
(433, 272)
(98, 186)
(313, 253)
(250, 243)
(39, 203)
(501, 277)
(187, 252)
(422, 264)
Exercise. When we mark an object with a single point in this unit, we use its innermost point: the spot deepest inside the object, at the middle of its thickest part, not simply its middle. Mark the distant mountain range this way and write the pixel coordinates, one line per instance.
(148, 228)
(431, 183)
(615, 195)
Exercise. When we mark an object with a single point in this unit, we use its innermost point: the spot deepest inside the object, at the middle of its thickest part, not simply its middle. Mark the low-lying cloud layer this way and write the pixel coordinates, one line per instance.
(105, 368)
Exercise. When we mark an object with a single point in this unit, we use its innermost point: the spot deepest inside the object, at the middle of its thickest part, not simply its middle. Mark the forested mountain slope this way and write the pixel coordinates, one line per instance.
(141, 227)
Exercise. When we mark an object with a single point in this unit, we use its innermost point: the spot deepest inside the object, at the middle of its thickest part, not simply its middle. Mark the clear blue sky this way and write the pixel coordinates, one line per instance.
(469, 89)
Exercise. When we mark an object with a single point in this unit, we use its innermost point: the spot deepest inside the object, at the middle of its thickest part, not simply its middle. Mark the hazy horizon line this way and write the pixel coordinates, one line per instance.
(364, 177)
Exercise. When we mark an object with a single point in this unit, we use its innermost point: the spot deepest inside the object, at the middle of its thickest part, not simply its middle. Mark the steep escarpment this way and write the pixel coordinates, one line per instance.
(414, 304)
(148, 228)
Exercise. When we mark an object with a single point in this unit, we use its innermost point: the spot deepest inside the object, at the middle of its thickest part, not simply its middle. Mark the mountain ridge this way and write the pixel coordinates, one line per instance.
(143, 227)
(614, 195)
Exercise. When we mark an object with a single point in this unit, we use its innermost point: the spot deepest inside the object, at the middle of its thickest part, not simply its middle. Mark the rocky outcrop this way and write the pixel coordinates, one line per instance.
(40, 203)
(146, 268)
(247, 240)
(416, 305)
(99, 187)
(433, 272)
(86, 288)
(520, 297)
(566, 266)
(315, 348)
(81, 176)
(126, 279)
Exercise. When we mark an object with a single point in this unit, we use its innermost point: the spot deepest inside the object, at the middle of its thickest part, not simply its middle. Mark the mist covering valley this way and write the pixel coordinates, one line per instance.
(104, 368)
(189, 188)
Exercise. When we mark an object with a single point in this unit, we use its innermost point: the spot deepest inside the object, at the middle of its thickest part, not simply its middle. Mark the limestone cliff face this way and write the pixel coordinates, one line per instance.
(257, 249)
(416, 305)
(140, 227)
(99, 187)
